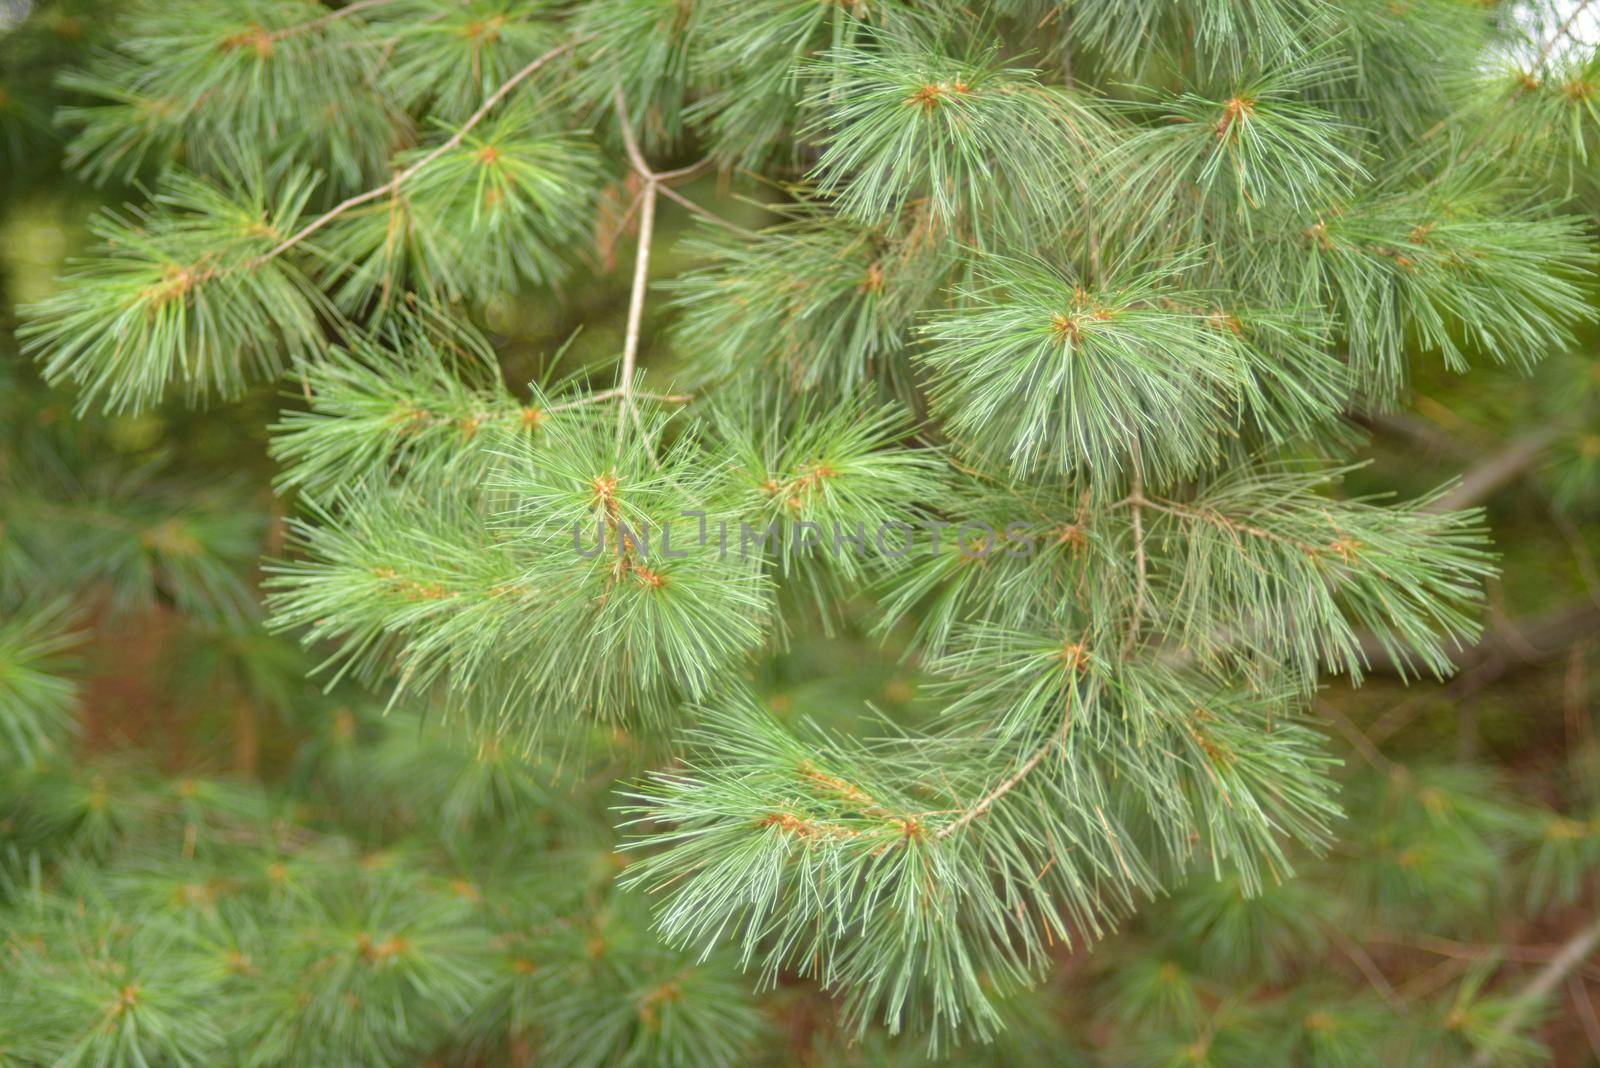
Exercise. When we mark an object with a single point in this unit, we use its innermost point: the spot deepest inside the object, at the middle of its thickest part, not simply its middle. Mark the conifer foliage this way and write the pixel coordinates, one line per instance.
(1035, 346)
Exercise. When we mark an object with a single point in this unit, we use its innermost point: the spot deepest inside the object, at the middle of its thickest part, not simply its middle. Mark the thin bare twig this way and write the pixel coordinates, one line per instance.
(1586, 1016)
(629, 143)
(641, 264)
(1141, 564)
(689, 173)
(1005, 787)
(1467, 951)
(1446, 970)
(324, 20)
(612, 394)
(1367, 966)
(1010, 782)
(593, 398)
(1358, 740)
(1482, 481)
(394, 184)
(1573, 953)
(1561, 31)
(705, 213)
(654, 183)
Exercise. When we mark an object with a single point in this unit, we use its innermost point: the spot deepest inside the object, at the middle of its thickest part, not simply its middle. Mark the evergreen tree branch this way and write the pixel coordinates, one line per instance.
(1273, 258)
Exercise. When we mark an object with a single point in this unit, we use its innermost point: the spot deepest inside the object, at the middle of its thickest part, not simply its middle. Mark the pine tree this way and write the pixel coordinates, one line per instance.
(1035, 340)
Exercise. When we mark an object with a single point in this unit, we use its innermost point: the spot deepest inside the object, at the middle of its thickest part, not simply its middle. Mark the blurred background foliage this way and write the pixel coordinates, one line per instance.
(207, 857)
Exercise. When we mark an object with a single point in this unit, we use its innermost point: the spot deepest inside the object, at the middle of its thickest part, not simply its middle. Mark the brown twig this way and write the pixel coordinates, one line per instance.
(394, 184)
(1586, 1015)
(988, 800)
(1468, 951)
(1005, 786)
(1572, 954)
(1482, 481)
(1363, 745)
(613, 394)
(1539, 639)
(1367, 966)
(1141, 563)
(641, 262)
(704, 213)
(1561, 31)
(324, 20)
(654, 183)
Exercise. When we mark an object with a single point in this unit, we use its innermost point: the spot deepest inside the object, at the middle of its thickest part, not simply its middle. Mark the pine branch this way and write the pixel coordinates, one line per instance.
(37, 690)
